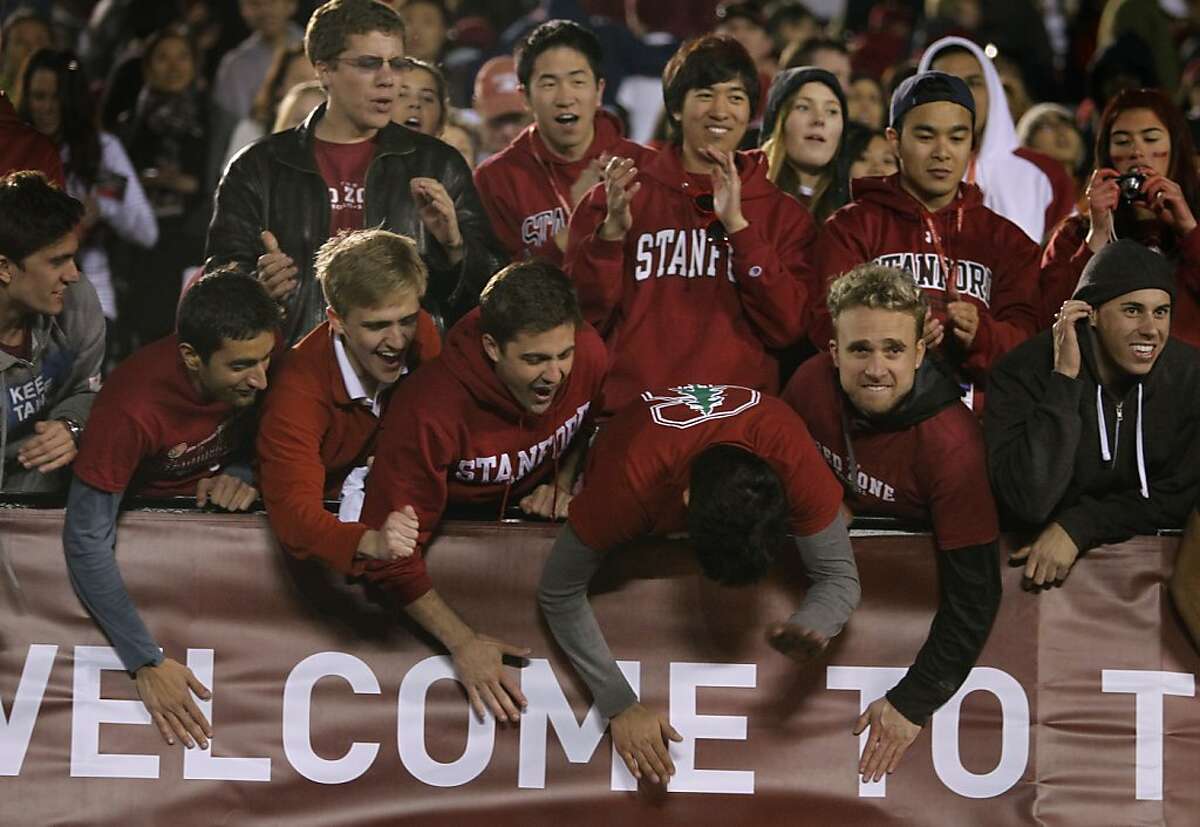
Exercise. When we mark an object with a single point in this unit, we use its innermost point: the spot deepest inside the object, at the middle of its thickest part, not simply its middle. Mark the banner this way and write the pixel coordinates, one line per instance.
(329, 710)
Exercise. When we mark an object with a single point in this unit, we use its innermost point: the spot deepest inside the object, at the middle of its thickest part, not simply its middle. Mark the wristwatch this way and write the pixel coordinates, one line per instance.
(74, 427)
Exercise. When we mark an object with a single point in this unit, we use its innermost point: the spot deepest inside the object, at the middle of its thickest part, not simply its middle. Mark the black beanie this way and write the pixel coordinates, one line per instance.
(930, 87)
(1122, 267)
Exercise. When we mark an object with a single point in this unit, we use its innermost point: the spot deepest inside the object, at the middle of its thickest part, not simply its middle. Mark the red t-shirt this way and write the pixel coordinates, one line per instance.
(150, 433)
(934, 471)
(344, 168)
(639, 467)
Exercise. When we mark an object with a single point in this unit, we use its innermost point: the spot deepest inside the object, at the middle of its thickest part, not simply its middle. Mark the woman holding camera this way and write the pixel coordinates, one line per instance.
(1145, 188)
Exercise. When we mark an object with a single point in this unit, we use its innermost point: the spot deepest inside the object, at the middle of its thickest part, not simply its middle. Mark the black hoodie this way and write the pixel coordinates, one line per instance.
(1068, 451)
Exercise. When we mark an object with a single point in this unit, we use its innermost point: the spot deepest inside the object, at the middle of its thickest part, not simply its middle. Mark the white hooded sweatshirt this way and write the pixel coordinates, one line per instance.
(1012, 186)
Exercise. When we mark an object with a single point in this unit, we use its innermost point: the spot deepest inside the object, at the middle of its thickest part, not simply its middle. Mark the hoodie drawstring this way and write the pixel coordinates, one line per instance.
(851, 460)
(1106, 454)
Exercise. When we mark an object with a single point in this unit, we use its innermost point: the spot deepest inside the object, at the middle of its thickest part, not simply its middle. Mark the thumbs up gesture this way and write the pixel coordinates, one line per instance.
(275, 268)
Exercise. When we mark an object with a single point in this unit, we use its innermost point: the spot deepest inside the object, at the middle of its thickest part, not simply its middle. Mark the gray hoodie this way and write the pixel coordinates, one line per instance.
(60, 380)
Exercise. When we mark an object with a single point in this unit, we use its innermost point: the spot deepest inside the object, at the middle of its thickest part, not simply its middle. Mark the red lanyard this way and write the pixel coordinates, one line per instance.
(949, 265)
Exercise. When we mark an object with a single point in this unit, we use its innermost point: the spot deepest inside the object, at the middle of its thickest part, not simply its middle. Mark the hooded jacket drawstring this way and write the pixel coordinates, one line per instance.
(1106, 454)
(851, 460)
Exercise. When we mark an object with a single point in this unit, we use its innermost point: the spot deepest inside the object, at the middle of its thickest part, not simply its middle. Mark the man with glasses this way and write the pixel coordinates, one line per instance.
(348, 167)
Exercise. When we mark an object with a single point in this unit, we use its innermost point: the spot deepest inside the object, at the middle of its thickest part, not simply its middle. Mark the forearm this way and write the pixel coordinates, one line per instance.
(437, 618)
(89, 541)
(562, 596)
(835, 589)
(969, 597)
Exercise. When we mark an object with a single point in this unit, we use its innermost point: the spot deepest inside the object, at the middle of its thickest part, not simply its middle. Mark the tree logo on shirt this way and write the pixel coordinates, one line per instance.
(688, 405)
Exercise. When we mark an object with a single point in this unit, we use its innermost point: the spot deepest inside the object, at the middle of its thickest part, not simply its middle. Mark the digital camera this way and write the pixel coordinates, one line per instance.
(1130, 185)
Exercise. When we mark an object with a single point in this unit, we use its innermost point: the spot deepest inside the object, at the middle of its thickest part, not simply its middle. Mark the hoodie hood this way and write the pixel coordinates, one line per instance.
(1012, 186)
(934, 389)
(666, 168)
(887, 193)
(464, 358)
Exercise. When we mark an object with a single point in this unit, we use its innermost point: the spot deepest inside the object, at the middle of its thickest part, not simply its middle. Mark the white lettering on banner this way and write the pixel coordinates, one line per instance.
(410, 730)
(685, 679)
(548, 704)
(1014, 736)
(200, 764)
(871, 682)
(89, 711)
(297, 717)
(1149, 687)
(17, 728)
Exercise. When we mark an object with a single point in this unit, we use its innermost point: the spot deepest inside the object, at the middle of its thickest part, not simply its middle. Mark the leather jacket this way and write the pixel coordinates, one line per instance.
(274, 184)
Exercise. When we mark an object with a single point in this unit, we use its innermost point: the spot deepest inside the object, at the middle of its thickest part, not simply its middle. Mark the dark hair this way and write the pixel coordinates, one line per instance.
(803, 55)
(174, 31)
(33, 214)
(737, 514)
(76, 106)
(527, 297)
(270, 94)
(225, 304)
(858, 137)
(332, 22)
(1181, 170)
(703, 62)
(551, 35)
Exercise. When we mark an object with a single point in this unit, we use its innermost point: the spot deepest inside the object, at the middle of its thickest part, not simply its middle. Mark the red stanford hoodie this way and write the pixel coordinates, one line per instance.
(526, 188)
(676, 303)
(454, 433)
(995, 263)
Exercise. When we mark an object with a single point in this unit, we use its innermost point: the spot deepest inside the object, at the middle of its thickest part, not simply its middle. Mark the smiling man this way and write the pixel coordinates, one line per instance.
(1093, 426)
(495, 420)
(888, 422)
(329, 395)
(978, 270)
(51, 335)
(531, 188)
(693, 264)
(175, 419)
(348, 167)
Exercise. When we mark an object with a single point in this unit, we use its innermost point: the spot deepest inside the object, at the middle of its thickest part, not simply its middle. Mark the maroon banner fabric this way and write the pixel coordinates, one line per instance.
(329, 710)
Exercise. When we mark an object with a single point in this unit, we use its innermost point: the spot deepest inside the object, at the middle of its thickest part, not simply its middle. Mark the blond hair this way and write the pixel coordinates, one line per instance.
(879, 288)
(363, 268)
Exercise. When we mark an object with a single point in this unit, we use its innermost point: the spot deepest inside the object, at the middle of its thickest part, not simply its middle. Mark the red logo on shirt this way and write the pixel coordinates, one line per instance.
(692, 404)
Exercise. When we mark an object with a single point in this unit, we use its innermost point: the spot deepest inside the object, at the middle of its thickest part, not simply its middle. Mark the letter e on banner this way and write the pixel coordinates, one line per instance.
(89, 711)
(410, 729)
(548, 704)
(200, 764)
(297, 717)
(1149, 687)
(17, 728)
(685, 678)
(1014, 736)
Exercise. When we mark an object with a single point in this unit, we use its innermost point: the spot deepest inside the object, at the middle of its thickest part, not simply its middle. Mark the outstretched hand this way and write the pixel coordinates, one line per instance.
(890, 736)
(640, 738)
(799, 643)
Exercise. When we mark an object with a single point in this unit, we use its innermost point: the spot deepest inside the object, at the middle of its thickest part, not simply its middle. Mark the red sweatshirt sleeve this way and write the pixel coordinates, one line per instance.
(596, 266)
(1062, 265)
(840, 247)
(773, 273)
(296, 416)
(412, 461)
(1013, 315)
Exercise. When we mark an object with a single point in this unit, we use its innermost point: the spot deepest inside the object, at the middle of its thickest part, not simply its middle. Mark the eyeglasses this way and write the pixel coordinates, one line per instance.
(371, 64)
(716, 230)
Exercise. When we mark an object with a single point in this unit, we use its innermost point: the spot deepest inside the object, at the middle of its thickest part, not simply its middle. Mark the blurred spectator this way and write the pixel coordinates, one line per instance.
(744, 21)
(885, 41)
(870, 152)
(290, 68)
(499, 103)
(676, 245)
(865, 102)
(23, 147)
(426, 24)
(22, 34)
(531, 188)
(1028, 189)
(166, 135)
(1143, 132)
(297, 104)
(1146, 20)
(421, 102)
(55, 97)
(463, 136)
(1012, 80)
(243, 70)
(1189, 91)
(824, 53)
(114, 44)
(51, 334)
(790, 22)
(948, 18)
(1050, 129)
(803, 127)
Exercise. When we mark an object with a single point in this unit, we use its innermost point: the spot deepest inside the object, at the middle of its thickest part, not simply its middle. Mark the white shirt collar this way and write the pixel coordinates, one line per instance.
(354, 385)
